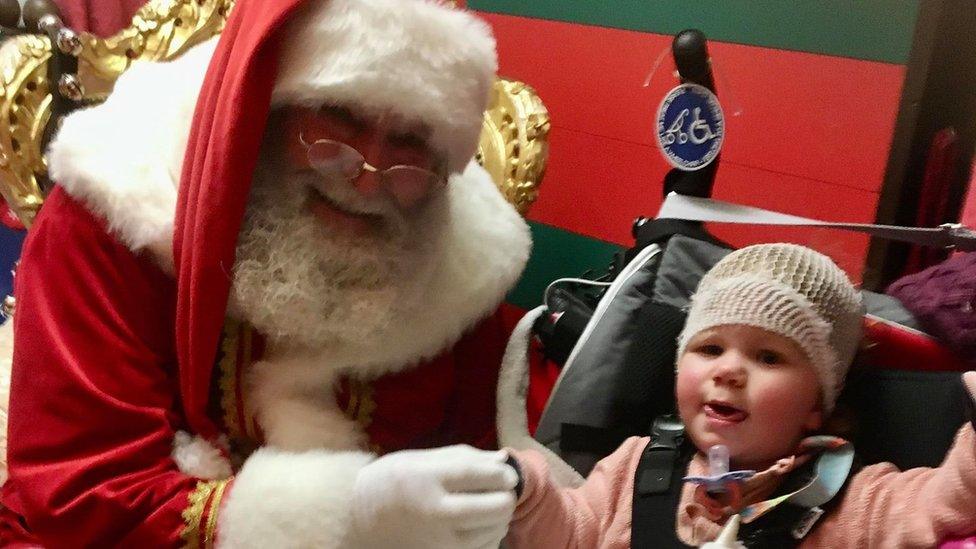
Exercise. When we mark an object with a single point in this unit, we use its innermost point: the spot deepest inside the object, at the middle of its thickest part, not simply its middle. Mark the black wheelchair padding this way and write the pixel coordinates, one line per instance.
(907, 418)
(643, 389)
(646, 386)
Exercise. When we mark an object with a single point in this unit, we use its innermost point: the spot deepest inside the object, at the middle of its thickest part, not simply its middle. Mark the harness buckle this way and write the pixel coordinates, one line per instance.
(667, 432)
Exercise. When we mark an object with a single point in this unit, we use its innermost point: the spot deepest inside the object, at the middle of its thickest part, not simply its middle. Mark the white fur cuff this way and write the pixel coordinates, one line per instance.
(287, 499)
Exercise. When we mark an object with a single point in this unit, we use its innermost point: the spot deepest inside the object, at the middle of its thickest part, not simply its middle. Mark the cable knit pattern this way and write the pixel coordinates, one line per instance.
(789, 290)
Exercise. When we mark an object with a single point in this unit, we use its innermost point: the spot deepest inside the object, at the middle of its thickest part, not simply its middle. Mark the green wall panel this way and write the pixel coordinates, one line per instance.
(877, 30)
(557, 253)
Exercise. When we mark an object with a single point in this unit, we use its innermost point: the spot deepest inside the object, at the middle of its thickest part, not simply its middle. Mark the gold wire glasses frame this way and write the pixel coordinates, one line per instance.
(409, 185)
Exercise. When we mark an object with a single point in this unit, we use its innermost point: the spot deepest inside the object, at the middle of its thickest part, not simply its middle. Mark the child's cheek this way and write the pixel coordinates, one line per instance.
(688, 386)
(774, 398)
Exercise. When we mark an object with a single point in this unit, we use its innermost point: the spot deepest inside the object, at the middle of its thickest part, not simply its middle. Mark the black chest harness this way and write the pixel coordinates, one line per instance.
(657, 493)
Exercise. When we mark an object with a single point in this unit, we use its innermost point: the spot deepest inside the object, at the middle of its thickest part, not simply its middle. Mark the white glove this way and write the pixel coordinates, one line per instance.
(448, 498)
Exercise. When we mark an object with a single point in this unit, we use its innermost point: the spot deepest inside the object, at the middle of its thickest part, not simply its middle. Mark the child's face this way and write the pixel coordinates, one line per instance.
(749, 389)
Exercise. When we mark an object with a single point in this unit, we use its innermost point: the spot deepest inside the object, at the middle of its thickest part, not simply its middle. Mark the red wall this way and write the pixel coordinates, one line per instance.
(812, 139)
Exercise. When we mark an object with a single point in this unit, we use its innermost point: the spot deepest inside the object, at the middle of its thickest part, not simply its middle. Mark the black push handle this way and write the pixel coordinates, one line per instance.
(690, 51)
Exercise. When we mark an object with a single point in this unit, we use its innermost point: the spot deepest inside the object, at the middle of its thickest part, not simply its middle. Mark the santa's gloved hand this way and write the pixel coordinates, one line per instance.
(969, 380)
(454, 497)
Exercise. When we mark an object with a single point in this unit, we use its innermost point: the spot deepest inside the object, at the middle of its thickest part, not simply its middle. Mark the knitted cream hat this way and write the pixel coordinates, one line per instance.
(789, 290)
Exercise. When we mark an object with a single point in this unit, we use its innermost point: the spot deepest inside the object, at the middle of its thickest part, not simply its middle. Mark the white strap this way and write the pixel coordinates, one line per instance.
(691, 208)
(513, 386)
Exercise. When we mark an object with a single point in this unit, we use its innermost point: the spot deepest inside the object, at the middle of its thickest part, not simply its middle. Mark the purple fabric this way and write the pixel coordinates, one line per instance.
(943, 299)
(100, 17)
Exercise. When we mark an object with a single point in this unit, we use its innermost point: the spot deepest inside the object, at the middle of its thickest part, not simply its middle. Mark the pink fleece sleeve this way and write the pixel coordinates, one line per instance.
(885, 507)
(597, 514)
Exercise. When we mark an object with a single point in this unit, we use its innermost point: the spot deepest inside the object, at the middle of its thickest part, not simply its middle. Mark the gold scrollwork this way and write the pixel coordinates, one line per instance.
(514, 143)
(160, 31)
(25, 107)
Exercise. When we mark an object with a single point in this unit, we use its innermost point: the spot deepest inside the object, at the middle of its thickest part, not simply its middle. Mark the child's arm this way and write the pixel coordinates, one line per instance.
(884, 507)
(597, 514)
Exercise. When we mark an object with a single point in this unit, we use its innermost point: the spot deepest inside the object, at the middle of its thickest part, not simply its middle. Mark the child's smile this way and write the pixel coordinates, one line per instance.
(721, 413)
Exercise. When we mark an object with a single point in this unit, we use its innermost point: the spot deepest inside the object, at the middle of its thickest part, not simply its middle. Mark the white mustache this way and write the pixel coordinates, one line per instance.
(344, 194)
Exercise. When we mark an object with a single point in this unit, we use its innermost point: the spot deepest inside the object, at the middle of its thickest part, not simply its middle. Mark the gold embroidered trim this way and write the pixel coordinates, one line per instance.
(361, 403)
(193, 514)
(247, 340)
(237, 352)
(204, 499)
(211, 532)
(228, 378)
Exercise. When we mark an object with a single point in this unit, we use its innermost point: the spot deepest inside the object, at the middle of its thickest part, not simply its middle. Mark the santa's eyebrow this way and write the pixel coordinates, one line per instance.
(342, 113)
(408, 139)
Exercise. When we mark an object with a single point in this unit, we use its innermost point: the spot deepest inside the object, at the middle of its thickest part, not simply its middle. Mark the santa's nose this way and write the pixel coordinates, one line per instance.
(369, 181)
(367, 184)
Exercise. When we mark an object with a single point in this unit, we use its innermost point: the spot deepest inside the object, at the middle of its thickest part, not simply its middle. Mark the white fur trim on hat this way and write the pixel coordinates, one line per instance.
(789, 290)
(123, 158)
(417, 58)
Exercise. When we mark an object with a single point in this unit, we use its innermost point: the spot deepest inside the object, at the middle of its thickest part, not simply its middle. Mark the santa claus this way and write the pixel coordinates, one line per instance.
(266, 264)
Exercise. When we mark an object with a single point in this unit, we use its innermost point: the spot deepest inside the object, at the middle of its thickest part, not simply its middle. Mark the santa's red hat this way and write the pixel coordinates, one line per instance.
(417, 58)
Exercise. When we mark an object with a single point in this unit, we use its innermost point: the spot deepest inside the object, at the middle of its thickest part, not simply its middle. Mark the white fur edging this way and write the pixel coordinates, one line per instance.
(196, 457)
(513, 386)
(289, 499)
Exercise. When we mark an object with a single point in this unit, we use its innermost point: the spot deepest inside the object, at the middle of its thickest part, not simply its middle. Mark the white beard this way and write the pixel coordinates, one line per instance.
(308, 288)
(336, 305)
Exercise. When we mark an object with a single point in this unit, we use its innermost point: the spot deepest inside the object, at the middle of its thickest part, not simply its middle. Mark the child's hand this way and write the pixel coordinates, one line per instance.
(454, 497)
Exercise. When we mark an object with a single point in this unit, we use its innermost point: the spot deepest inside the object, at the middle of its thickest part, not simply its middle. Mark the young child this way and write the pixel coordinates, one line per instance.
(770, 335)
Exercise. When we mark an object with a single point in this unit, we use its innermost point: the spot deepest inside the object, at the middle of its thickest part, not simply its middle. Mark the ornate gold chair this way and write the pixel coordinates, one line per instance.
(44, 76)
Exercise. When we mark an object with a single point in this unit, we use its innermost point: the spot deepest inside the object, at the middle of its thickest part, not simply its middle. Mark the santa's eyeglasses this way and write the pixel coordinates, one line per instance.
(408, 185)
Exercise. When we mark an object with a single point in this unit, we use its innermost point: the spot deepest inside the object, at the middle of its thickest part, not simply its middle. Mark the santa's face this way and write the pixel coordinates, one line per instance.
(369, 167)
(324, 258)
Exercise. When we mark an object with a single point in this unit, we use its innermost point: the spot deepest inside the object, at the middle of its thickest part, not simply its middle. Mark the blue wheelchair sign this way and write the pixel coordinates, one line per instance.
(690, 127)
